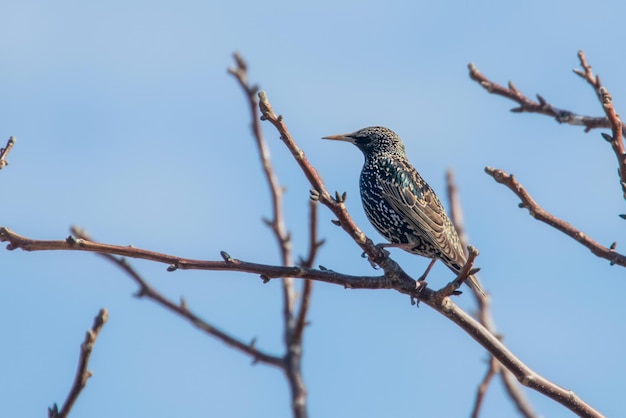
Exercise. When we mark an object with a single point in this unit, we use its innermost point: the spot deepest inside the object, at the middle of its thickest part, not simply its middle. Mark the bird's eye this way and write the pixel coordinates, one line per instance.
(362, 140)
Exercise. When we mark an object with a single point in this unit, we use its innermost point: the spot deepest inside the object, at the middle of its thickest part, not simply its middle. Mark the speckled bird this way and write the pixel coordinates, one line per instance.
(401, 205)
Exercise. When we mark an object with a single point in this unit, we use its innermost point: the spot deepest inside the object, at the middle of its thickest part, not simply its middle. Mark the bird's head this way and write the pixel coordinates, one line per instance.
(373, 140)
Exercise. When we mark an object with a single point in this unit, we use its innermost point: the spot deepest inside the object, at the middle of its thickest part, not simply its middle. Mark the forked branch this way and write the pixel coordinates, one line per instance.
(611, 119)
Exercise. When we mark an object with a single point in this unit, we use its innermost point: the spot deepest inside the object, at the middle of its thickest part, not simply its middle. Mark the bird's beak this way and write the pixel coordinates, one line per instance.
(342, 137)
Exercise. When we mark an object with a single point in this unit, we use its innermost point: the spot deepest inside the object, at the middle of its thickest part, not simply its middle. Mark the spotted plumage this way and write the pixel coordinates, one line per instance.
(400, 204)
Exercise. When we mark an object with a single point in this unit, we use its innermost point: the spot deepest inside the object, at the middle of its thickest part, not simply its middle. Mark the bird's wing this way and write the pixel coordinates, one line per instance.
(409, 195)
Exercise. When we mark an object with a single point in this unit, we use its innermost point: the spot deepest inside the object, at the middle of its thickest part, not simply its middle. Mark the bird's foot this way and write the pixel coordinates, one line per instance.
(372, 263)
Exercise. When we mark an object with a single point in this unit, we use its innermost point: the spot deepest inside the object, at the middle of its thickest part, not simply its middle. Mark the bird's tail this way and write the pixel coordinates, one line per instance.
(473, 283)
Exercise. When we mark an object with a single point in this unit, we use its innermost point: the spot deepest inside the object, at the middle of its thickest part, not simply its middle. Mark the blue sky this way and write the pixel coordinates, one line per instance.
(127, 124)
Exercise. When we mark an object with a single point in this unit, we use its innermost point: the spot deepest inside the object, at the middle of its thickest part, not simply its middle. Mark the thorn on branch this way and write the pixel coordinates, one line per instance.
(622, 215)
(336, 222)
(172, 267)
(613, 246)
(265, 278)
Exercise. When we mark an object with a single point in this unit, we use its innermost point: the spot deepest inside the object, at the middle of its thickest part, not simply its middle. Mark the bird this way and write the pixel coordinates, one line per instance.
(401, 205)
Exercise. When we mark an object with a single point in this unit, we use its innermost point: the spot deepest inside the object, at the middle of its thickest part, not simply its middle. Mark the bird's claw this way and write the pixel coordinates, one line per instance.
(374, 265)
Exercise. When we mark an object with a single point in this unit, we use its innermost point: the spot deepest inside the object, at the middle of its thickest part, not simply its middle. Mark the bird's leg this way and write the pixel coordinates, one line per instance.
(430, 266)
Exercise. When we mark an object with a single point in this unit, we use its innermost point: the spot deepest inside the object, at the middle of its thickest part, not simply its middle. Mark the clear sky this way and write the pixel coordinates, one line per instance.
(127, 124)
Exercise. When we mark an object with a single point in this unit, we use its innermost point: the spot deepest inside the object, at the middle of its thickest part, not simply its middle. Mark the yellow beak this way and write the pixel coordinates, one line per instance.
(342, 137)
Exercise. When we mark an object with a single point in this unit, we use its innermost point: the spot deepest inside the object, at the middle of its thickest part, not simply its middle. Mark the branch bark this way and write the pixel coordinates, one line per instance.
(293, 323)
(485, 316)
(82, 374)
(542, 215)
(610, 121)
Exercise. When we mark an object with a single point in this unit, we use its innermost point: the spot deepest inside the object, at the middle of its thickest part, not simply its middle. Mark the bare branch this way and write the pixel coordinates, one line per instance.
(293, 327)
(5, 151)
(82, 374)
(307, 287)
(515, 392)
(617, 138)
(147, 291)
(541, 106)
(492, 370)
(540, 214)
(467, 270)
(486, 318)
(611, 121)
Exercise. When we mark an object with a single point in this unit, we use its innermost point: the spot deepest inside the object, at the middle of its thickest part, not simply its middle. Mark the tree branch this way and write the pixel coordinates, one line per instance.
(486, 318)
(540, 214)
(307, 287)
(446, 307)
(82, 374)
(181, 309)
(5, 151)
(540, 106)
(293, 326)
(611, 121)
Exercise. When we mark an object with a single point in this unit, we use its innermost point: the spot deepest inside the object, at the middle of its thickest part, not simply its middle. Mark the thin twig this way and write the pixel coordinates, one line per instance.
(307, 287)
(540, 214)
(610, 121)
(277, 223)
(492, 370)
(5, 151)
(147, 291)
(82, 374)
(292, 327)
(617, 138)
(456, 215)
(467, 270)
(540, 106)
(486, 318)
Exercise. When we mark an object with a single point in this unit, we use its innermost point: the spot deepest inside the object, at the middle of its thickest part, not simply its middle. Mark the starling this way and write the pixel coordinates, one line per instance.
(401, 205)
